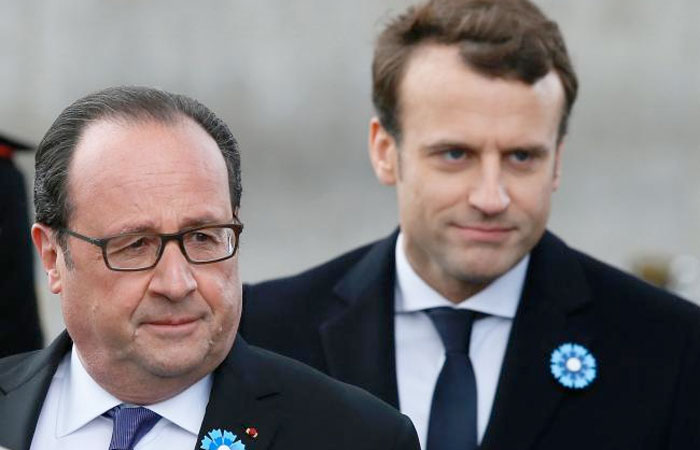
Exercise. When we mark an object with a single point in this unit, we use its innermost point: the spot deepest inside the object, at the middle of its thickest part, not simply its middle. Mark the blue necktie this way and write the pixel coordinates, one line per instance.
(453, 411)
(130, 425)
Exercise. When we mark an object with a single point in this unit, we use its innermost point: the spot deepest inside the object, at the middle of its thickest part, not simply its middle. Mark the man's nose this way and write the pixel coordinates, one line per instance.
(490, 195)
(173, 277)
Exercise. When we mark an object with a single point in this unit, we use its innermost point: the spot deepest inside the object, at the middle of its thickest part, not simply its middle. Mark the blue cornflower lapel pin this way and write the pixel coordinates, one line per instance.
(573, 366)
(221, 441)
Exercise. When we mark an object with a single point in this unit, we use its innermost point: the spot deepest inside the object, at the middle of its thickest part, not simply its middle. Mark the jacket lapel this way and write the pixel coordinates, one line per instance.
(555, 291)
(358, 341)
(24, 387)
(243, 395)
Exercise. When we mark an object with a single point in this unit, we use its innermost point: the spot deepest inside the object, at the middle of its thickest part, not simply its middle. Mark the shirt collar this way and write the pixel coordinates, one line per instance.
(83, 400)
(187, 408)
(500, 298)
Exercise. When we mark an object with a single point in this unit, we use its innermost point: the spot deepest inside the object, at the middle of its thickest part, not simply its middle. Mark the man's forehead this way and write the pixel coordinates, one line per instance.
(119, 127)
(427, 60)
(432, 66)
(112, 141)
(135, 166)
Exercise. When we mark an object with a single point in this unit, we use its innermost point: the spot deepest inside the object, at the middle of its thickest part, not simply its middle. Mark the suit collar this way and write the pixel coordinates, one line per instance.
(244, 394)
(370, 273)
(32, 364)
(358, 341)
(553, 301)
(557, 275)
(25, 385)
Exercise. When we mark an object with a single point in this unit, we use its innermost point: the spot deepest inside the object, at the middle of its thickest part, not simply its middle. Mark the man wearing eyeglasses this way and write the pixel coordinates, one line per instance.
(137, 195)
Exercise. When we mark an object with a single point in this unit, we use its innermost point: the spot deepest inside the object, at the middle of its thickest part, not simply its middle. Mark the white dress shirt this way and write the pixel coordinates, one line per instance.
(71, 417)
(420, 353)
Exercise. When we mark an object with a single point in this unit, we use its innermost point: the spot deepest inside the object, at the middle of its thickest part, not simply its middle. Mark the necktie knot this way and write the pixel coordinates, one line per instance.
(130, 425)
(454, 327)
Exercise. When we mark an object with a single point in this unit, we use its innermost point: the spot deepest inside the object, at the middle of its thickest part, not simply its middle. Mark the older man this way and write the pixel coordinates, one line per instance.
(476, 322)
(137, 195)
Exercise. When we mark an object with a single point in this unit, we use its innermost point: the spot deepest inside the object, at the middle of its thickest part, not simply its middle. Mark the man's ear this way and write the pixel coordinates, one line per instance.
(383, 153)
(45, 242)
(557, 165)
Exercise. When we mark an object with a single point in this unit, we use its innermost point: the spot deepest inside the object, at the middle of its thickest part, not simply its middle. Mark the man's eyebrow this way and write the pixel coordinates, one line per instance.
(192, 222)
(148, 226)
(534, 148)
(446, 144)
(145, 227)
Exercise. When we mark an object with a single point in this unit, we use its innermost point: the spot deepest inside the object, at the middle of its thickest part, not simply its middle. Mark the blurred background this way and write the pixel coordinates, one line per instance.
(292, 79)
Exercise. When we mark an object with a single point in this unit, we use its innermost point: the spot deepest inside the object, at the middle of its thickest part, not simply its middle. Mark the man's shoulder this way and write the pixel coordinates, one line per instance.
(312, 282)
(18, 369)
(285, 314)
(318, 389)
(326, 273)
(13, 365)
(342, 409)
(616, 289)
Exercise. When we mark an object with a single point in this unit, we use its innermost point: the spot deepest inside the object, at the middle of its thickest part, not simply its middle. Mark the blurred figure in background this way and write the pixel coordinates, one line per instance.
(479, 324)
(20, 330)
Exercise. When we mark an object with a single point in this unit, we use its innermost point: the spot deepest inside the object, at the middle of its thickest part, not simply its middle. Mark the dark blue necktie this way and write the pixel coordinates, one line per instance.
(453, 411)
(130, 425)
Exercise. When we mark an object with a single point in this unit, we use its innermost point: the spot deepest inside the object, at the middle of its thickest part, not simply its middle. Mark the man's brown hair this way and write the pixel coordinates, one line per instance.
(510, 39)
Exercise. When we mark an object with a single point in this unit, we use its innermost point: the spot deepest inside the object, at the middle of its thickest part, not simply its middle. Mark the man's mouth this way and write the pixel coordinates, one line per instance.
(172, 322)
(172, 327)
(485, 232)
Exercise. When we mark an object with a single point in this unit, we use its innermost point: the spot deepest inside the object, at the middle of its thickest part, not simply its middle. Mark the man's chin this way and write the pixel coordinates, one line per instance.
(481, 270)
(171, 360)
(176, 366)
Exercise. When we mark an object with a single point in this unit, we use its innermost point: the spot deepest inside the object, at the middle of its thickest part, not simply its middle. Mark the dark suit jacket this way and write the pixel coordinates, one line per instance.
(291, 405)
(339, 318)
(19, 320)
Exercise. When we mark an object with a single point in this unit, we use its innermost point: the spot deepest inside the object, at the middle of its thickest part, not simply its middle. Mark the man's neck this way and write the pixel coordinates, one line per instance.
(136, 387)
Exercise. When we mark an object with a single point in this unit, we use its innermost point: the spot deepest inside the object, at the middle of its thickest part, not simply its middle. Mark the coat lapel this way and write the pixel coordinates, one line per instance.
(555, 292)
(358, 341)
(24, 387)
(243, 395)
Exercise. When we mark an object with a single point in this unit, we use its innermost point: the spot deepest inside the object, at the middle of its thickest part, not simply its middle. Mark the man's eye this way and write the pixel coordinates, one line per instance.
(454, 154)
(201, 237)
(520, 156)
(131, 244)
(137, 243)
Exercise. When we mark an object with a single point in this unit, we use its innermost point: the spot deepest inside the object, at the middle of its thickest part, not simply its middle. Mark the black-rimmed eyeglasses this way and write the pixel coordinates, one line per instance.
(142, 251)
